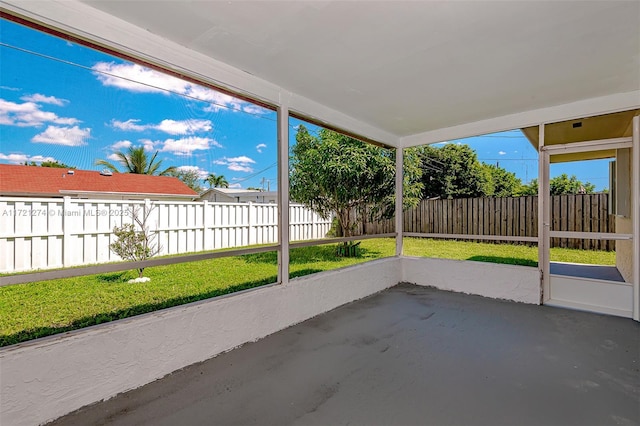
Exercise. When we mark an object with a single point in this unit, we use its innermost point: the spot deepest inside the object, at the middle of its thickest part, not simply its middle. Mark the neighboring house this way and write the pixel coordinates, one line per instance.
(32, 181)
(232, 195)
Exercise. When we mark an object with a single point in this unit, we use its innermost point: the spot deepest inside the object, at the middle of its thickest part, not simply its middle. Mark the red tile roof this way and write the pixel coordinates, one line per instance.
(49, 181)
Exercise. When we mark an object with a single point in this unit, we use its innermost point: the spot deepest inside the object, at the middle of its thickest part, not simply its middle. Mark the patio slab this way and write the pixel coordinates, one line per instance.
(407, 356)
(596, 272)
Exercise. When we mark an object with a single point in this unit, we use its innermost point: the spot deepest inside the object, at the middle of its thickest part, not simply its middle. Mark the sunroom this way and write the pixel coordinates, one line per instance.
(395, 75)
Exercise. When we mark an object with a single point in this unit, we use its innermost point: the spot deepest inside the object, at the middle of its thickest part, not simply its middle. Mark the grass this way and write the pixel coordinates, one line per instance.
(29, 311)
(501, 253)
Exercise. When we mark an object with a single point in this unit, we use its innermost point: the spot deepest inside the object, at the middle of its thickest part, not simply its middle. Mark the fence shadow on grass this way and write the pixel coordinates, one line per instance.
(34, 333)
(504, 260)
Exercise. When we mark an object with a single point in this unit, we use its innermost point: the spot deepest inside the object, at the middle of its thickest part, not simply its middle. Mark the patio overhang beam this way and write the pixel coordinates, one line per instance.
(589, 146)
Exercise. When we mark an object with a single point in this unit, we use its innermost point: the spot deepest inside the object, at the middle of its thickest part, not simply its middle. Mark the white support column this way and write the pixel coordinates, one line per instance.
(399, 186)
(544, 200)
(283, 193)
(635, 200)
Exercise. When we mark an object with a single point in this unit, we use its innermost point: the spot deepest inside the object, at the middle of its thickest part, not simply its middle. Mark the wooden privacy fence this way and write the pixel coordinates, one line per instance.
(516, 216)
(41, 233)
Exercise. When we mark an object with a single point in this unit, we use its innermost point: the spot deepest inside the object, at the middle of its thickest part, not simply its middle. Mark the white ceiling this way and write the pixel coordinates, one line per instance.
(412, 67)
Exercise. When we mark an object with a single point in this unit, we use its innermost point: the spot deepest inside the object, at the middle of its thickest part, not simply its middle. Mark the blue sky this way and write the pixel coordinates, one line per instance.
(85, 105)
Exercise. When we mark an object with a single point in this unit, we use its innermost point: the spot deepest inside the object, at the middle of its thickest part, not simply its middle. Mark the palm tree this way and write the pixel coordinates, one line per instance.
(216, 181)
(136, 160)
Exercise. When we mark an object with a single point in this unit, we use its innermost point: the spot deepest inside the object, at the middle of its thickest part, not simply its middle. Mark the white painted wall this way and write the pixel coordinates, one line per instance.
(41, 233)
(607, 297)
(517, 283)
(49, 377)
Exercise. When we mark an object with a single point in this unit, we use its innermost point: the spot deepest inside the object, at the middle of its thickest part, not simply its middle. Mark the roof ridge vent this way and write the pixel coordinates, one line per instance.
(70, 172)
(106, 172)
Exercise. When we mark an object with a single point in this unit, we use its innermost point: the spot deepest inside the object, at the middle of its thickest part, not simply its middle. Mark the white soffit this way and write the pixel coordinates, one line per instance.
(411, 68)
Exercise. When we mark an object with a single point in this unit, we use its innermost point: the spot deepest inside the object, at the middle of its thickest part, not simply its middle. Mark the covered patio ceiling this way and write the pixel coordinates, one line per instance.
(403, 73)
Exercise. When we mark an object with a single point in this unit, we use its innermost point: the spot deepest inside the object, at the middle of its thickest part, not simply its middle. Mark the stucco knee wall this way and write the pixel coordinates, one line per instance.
(46, 378)
(510, 282)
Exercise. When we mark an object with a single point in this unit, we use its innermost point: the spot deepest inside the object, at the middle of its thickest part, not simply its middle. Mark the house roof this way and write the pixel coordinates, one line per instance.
(237, 192)
(49, 181)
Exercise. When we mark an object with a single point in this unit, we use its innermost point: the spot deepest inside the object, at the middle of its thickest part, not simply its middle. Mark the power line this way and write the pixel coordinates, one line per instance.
(84, 67)
(257, 173)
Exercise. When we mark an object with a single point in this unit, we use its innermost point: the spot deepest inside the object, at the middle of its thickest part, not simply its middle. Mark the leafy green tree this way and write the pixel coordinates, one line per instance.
(529, 189)
(216, 181)
(55, 164)
(334, 173)
(501, 183)
(560, 185)
(564, 184)
(135, 160)
(452, 171)
(189, 178)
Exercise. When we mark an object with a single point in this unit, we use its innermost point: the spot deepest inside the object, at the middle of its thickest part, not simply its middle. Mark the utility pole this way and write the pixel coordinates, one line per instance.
(268, 181)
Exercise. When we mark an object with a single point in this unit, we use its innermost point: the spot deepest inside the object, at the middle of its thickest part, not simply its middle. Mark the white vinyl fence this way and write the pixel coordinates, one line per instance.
(41, 233)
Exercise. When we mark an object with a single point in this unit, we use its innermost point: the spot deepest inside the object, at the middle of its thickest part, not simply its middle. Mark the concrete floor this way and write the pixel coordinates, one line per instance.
(596, 272)
(407, 356)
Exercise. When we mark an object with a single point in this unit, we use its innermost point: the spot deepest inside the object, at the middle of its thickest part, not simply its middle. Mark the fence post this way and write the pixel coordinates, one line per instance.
(205, 226)
(146, 212)
(67, 220)
(313, 224)
(251, 218)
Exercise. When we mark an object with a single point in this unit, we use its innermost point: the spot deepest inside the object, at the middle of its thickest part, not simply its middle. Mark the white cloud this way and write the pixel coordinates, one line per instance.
(237, 164)
(186, 146)
(113, 157)
(121, 145)
(68, 136)
(172, 127)
(235, 186)
(234, 167)
(42, 99)
(254, 109)
(201, 172)
(260, 147)
(28, 114)
(136, 78)
(140, 79)
(129, 125)
(501, 153)
(149, 145)
(12, 89)
(22, 158)
(184, 127)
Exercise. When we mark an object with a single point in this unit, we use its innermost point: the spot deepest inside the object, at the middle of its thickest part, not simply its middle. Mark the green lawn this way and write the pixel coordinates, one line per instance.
(32, 310)
(501, 253)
